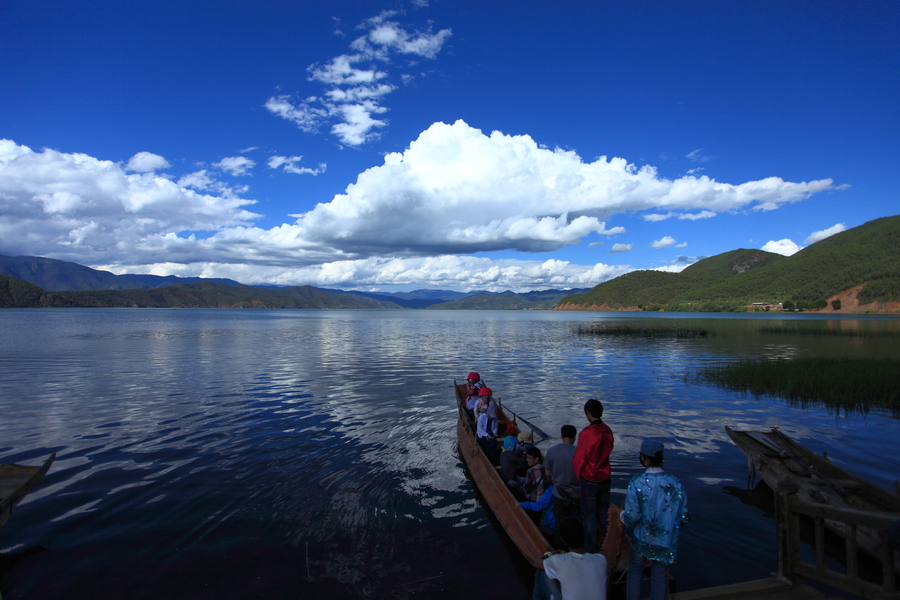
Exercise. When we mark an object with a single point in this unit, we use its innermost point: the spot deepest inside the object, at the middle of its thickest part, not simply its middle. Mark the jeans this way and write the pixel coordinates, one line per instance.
(594, 510)
(545, 588)
(658, 571)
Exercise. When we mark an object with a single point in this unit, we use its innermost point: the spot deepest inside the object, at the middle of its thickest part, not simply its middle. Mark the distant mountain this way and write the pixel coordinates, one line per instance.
(414, 299)
(859, 265)
(207, 294)
(545, 299)
(59, 275)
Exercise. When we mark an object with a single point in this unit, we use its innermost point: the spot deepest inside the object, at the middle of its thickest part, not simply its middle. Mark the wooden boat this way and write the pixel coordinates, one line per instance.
(512, 517)
(515, 521)
(776, 458)
(16, 481)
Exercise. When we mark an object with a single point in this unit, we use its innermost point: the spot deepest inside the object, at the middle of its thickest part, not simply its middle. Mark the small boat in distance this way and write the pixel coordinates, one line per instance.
(777, 458)
(16, 481)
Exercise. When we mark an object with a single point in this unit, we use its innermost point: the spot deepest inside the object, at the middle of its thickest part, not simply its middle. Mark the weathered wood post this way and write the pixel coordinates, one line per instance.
(787, 531)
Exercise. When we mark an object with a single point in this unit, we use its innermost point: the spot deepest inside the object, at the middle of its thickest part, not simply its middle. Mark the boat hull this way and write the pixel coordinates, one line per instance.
(512, 517)
(16, 481)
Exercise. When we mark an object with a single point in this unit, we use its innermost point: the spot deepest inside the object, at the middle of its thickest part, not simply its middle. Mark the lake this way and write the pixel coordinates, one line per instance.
(303, 453)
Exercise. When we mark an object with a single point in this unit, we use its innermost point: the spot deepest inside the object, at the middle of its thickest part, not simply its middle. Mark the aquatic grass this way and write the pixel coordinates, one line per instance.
(849, 385)
(821, 331)
(604, 329)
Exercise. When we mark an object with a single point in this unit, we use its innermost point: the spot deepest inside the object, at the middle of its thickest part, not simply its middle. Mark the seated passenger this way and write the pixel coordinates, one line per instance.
(524, 443)
(486, 431)
(508, 461)
(473, 383)
(544, 506)
(536, 479)
(485, 396)
(471, 401)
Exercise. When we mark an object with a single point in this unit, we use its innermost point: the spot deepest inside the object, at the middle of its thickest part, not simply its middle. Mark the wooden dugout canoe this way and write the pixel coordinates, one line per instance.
(16, 481)
(515, 521)
(777, 458)
(526, 536)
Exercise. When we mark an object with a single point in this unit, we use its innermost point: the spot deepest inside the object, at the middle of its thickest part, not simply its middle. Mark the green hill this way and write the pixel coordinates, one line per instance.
(868, 256)
(17, 293)
(545, 299)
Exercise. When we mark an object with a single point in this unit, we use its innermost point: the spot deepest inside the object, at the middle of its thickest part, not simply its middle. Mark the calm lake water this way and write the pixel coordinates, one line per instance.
(312, 454)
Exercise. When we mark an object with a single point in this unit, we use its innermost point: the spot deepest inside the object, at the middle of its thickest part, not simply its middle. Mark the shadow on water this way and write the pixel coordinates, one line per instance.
(523, 569)
(9, 561)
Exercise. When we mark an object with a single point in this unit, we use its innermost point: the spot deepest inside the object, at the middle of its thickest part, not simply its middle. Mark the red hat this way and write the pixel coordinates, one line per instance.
(474, 375)
(485, 391)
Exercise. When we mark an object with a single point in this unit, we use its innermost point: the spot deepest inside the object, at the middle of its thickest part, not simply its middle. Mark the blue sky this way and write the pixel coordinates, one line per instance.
(441, 144)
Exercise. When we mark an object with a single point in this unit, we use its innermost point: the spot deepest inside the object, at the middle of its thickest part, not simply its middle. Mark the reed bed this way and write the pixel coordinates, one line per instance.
(603, 329)
(849, 385)
(820, 331)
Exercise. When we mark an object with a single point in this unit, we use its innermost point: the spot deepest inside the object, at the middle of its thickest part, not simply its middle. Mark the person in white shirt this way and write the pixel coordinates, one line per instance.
(572, 575)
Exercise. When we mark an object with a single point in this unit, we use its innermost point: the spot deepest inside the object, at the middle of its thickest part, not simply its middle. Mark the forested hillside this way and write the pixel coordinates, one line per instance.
(867, 256)
(17, 293)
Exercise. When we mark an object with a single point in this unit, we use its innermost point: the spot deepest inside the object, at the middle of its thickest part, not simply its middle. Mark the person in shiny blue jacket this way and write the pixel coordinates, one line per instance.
(655, 509)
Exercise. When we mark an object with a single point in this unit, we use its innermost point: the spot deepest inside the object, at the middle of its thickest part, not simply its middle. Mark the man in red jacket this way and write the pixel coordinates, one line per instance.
(591, 465)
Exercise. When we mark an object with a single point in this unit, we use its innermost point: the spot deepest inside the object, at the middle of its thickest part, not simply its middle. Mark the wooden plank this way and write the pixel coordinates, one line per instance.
(864, 518)
(861, 588)
(770, 588)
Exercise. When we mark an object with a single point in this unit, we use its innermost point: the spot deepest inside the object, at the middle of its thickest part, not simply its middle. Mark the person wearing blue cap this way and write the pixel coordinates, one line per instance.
(655, 509)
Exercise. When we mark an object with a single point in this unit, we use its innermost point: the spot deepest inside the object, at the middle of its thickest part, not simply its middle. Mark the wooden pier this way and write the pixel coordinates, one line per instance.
(790, 582)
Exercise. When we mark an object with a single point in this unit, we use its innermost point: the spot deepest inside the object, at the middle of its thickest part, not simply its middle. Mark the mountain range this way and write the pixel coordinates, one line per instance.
(25, 281)
(856, 270)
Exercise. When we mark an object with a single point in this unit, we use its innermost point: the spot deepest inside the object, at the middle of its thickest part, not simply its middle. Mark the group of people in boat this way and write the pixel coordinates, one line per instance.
(567, 493)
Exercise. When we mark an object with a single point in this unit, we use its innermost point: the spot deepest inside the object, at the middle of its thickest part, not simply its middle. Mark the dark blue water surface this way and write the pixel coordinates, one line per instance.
(311, 454)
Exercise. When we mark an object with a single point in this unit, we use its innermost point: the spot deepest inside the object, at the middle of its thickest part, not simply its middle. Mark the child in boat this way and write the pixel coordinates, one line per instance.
(655, 509)
(536, 480)
(544, 507)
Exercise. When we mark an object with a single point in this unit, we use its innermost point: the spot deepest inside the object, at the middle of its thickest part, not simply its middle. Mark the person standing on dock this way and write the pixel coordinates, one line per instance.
(655, 509)
(591, 466)
(572, 575)
(566, 489)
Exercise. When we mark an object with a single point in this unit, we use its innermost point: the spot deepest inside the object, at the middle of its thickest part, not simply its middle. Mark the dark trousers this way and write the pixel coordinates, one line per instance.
(594, 511)
(489, 447)
(564, 508)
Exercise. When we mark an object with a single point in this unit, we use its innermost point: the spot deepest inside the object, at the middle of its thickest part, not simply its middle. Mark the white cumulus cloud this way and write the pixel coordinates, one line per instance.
(357, 82)
(446, 272)
(785, 247)
(235, 165)
(621, 248)
(454, 191)
(76, 207)
(665, 242)
(146, 162)
(288, 164)
(825, 233)
(656, 217)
